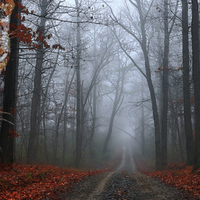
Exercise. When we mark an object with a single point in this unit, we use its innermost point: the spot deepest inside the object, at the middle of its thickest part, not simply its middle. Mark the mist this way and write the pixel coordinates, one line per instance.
(97, 77)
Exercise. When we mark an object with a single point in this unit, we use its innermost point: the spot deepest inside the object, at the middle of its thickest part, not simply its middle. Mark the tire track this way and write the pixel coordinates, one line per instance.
(100, 188)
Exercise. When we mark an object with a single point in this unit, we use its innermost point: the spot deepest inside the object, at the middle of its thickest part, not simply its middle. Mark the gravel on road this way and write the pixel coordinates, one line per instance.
(125, 183)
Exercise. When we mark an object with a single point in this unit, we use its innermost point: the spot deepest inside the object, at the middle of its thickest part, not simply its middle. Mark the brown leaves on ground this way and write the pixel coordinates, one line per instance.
(37, 181)
(180, 177)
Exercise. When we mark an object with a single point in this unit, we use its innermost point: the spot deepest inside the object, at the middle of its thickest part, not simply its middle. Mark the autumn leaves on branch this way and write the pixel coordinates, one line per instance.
(24, 34)
(5, 12)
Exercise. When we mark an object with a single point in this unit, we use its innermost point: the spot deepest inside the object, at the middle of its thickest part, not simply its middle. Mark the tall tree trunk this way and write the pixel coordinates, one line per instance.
(155, 111)
(175, 114)
(94, 106)
(7, 143)
(142, 122)
(65, 143)
(196, 80)
(174, 138)
(183, 137)
(73, 125)
(45, 137)
(35, 106)
(165, 83)
(94, 116)
(78, 103)
(186, 87)
(180, 144)
(155, 116)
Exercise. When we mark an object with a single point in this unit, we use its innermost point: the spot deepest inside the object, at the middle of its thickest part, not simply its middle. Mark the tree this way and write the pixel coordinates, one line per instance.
(165, 81)
(196, 79)
(142, 121)
(35, 105)
(78, 80)
(186, 86)
(7, 135)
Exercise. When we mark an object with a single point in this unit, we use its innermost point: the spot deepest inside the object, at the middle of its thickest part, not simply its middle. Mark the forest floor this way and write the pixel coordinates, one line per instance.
(26, 182)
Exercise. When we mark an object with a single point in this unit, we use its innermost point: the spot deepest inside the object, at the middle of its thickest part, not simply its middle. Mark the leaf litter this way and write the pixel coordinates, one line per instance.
(180, 177)
(19, 182)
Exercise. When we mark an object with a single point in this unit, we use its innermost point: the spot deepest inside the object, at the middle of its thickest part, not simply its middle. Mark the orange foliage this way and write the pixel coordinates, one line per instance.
(179, 68)
(38, 181)
(6, 9)
(180, 177)
(8, 6)
(13, 133)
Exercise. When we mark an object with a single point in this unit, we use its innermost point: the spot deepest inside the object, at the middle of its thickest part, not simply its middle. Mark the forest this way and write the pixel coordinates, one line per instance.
(80, 80)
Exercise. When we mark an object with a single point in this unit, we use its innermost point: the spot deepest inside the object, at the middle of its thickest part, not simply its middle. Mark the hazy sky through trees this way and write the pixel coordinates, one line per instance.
(120, 47)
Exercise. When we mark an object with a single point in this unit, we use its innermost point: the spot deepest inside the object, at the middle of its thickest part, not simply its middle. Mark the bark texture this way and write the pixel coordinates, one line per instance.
(165, 83)
(78, 102)
(196, 79)
(186, 87)
(7, 143)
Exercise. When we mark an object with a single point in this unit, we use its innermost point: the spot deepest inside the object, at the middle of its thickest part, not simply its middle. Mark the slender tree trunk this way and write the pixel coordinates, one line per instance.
(7, 143)
(142, 122)
(83, 116)
(65, 143)
(174, 138)
(183, 136)
(45, 138)
(186, 87)
(156, 119)
(78, 103)
(31, 158)
(94, 122)
(94, 106)
(175, 114)
(73, 130)
(165, 83)
(180, 145)
(22, 145)
(196, 80)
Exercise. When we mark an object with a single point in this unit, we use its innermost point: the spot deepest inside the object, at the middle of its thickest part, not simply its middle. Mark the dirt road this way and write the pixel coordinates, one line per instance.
(123, 183)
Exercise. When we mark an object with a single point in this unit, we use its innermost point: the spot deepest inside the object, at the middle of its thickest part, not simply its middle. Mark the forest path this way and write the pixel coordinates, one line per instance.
(123, 183)
(101, 186)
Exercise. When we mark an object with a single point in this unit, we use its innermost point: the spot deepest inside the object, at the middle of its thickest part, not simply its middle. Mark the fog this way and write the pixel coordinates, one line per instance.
(98, 86)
